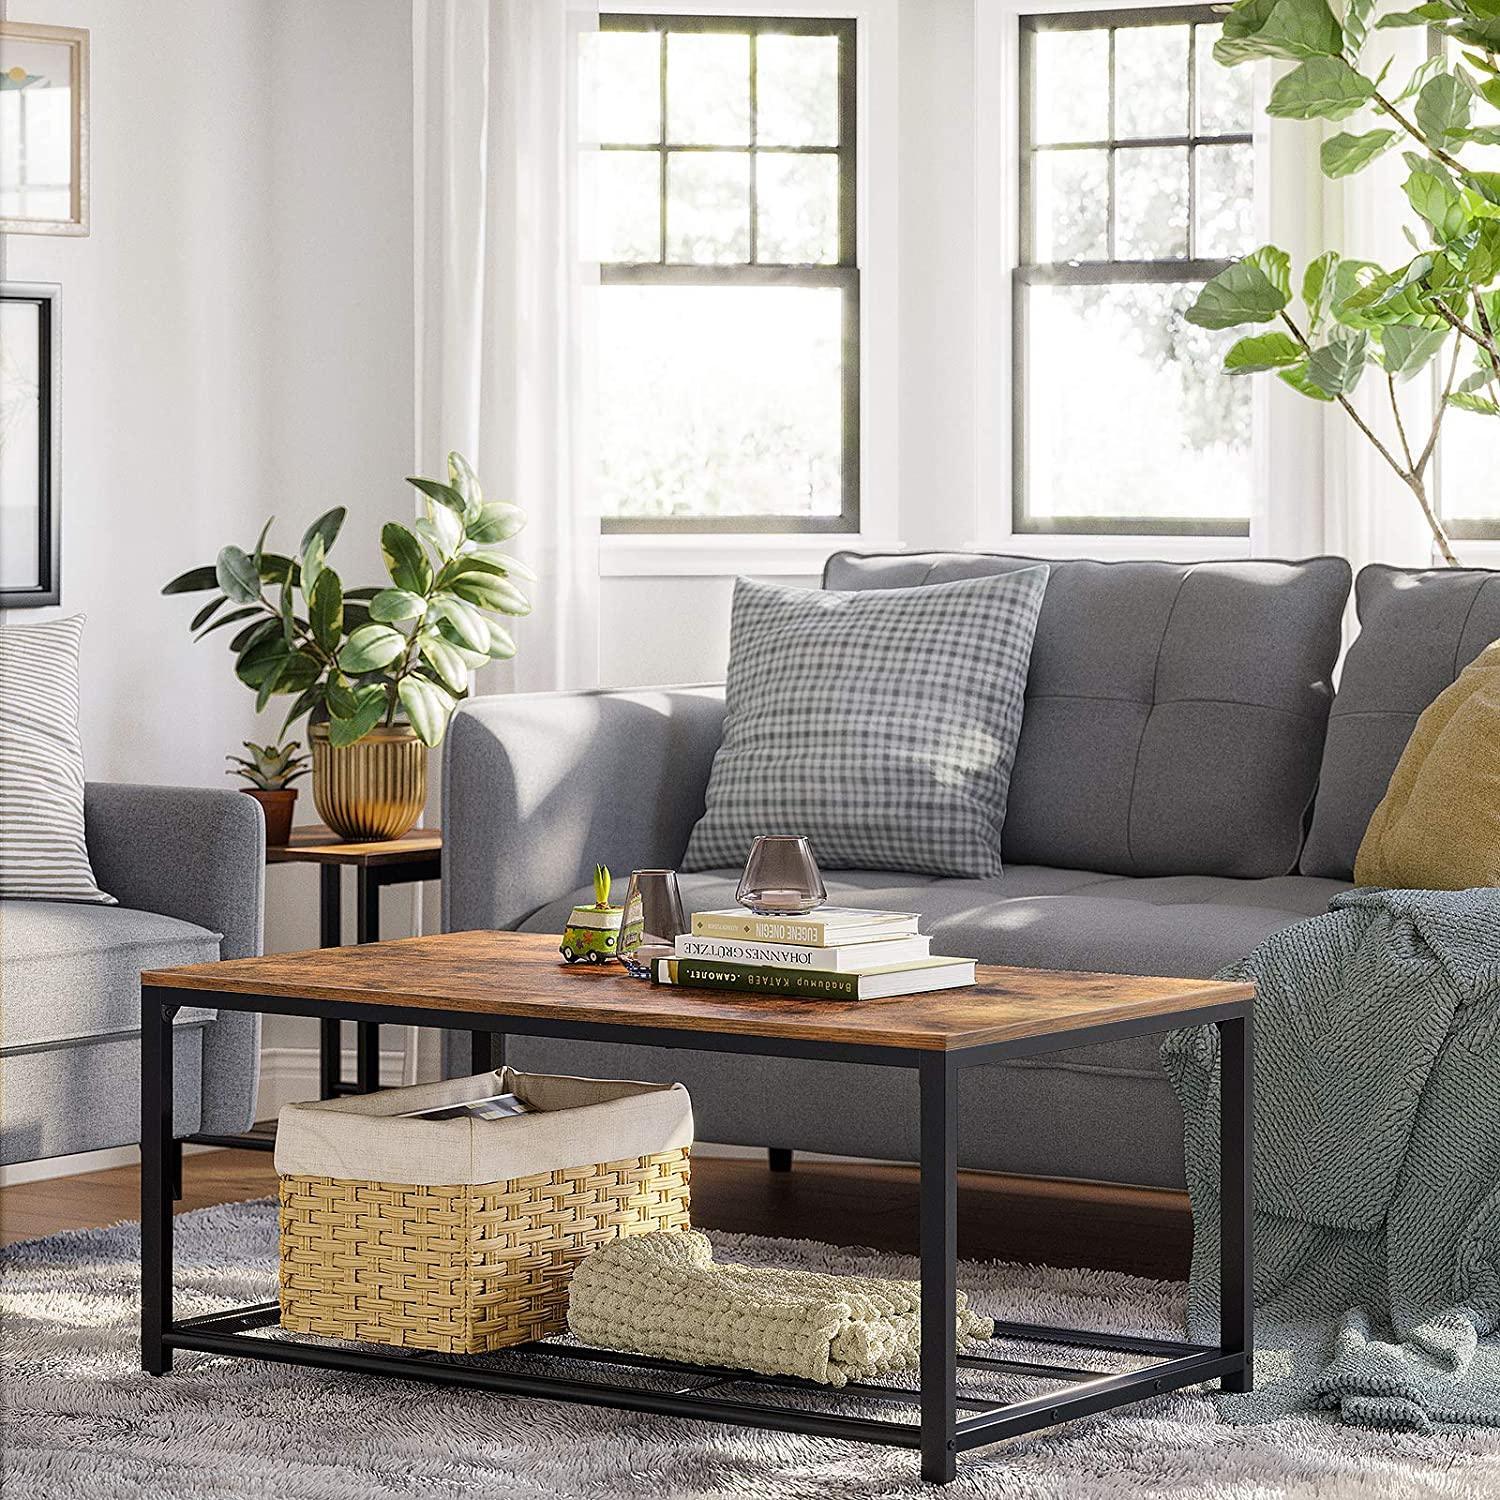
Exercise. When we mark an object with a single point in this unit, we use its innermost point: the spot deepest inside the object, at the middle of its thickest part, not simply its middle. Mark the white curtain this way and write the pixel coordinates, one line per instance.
(504, 300)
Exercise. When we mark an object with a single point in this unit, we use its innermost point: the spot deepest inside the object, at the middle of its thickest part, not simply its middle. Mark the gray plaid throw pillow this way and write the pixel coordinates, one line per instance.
(881, 724)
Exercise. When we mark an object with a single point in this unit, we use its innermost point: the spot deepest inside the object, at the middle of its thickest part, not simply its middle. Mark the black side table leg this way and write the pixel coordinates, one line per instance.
(367, 930)
(1236, 1197)
(486, 1051)
(331, 935)
(157, 1150)
(938, 1222)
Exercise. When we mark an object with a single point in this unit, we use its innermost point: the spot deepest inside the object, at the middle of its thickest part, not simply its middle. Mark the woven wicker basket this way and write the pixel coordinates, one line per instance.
(461, 1268)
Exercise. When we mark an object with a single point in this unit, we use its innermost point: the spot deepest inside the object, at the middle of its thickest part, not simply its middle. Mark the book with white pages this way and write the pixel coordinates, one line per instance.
(836, 959)
(824, 927)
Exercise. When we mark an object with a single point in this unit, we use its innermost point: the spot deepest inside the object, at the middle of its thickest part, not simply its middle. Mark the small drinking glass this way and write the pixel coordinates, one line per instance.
(652, 920)
(781, 877)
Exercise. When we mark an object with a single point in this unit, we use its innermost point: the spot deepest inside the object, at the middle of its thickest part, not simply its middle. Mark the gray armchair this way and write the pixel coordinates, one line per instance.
(187, 866)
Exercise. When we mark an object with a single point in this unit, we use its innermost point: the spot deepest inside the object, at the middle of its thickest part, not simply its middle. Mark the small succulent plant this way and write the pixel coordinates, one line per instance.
(602, 882)
(269, 768)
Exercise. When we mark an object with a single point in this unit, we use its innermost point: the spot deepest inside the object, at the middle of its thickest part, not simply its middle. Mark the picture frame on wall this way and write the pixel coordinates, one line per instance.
(44, 129)
(30, 451)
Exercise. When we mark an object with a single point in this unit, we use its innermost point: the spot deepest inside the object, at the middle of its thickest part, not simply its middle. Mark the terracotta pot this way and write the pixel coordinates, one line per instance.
(278, 807)
(375, 788)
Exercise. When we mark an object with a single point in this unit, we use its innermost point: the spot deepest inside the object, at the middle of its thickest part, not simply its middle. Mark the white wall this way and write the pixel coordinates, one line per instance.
(236, 343)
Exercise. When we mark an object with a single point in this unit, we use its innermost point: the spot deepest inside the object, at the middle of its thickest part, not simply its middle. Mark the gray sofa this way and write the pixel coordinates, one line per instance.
(188, 869)
(1180, 792)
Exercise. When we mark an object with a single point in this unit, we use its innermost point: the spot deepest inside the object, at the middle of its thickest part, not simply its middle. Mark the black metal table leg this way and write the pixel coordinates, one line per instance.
(486, 1051)
(330, 935)
(938, 1223)
(367, 930)
(157, 1143)
(1236, 1195)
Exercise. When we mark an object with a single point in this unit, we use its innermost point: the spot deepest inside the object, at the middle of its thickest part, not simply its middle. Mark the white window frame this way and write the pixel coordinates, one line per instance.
(709, 554)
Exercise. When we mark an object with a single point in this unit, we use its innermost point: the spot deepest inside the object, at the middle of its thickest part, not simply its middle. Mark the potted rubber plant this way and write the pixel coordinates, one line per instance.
(271, 770)
(378, 669)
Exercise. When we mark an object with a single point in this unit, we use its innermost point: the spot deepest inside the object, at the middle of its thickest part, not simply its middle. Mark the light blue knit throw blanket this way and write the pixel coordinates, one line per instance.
(1377, 1164)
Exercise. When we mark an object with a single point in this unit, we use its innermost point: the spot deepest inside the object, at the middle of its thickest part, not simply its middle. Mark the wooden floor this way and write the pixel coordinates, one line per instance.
(1146, 1232)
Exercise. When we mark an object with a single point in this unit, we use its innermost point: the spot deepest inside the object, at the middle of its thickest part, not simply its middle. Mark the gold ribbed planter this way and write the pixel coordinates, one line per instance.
(375, 788)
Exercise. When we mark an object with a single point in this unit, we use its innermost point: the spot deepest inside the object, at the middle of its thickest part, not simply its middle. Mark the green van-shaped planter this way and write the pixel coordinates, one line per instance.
(593, 932)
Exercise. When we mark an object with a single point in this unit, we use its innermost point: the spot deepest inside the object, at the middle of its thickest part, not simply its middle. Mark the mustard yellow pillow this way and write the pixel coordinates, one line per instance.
(1438, 826)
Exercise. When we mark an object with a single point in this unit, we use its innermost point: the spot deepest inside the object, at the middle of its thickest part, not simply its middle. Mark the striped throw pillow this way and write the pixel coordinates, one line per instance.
(42, 852)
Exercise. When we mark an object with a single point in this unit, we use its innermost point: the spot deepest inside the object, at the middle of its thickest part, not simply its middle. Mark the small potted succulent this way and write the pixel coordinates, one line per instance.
(271, 770)
(593, 932)
(378, 670)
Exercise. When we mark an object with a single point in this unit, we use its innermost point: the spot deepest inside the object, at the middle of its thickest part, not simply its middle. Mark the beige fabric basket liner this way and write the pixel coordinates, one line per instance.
(576, 1122)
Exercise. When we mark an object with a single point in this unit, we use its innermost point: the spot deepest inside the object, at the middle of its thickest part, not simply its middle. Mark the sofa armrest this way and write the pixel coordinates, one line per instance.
(198, 854)
(194, 853)
(539, 787)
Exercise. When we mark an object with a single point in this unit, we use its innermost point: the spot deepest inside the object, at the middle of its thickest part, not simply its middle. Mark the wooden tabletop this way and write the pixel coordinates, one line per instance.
(521, 974)
(313, 844)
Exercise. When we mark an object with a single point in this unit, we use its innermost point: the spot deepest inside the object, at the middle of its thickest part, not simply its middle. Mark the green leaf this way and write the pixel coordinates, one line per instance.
(462, 477)
(467, 622)
(404, 558)
(435, 489)
(231, 618)
(370, 648)
(1317, 287)
(1335, 369)
(304, 703)
(427, 706)
(502, 643)
(327, 527)
(237, 576)
(1252, 290)
(1406, 350)
(1296, 377)
(301, 672)
(1419, 76)
(251, 633)
(499, 563)
(367, 706)
(1481, 261)
(194, 581)
(1278, 28)
(325, 611)
(263, 660)
(491, 592)
(1343, 155)
(274, 568)
(472, 659)
(494, 521)
(207, 613)
(1356, 24)
(288, 614)
(1468, 401)
(1435, 197)
(442, 530)
(260, 544)
(1443, 106)
(312, 564)
(444, 659)
(1323, 88)
(1486, 184)
(397, 604)
(1262, 351)
(1423, 15)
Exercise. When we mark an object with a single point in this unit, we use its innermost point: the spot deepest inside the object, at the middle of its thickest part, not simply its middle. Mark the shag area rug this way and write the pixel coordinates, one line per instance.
(81, 1421)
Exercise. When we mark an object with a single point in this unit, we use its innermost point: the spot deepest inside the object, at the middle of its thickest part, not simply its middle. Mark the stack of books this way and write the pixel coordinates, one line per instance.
(834, 953)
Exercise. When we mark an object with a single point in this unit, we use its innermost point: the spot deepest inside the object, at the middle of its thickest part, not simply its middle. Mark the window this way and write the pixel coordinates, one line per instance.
(1468, 454)
(729, 310)
(1136, 185)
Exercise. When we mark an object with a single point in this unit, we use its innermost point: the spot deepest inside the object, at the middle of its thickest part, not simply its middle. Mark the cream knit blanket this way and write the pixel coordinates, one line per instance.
(662, 1294)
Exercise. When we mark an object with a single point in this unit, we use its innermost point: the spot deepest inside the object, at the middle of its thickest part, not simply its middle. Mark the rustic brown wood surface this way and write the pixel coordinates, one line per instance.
(521, 974)
(313, 844)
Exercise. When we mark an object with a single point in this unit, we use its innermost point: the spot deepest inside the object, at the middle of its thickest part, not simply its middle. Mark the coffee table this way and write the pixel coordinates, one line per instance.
(490, 983)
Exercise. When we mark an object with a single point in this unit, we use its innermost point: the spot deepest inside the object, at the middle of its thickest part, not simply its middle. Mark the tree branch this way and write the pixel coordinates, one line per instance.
(1390, 386)
(1382, 103)
(1420, 467)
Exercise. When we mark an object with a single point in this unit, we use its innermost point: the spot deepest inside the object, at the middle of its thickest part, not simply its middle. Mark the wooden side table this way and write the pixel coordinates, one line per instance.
(415, 856)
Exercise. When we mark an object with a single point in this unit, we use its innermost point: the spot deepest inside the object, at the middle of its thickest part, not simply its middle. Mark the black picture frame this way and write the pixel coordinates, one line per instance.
(46, 588)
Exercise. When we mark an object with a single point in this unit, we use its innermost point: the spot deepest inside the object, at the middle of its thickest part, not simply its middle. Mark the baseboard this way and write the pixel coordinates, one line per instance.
(290, 1074)
(73, 1166)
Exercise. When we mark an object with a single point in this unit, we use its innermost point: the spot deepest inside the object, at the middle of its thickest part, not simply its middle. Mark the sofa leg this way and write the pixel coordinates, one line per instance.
(779, 1158)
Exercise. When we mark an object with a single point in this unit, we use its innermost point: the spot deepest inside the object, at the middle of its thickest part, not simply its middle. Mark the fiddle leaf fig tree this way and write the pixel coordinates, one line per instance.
(1348, 321)
(364, 655)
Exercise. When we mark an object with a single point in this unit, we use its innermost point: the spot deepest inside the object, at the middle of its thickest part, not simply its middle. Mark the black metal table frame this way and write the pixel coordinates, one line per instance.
(949, 1422)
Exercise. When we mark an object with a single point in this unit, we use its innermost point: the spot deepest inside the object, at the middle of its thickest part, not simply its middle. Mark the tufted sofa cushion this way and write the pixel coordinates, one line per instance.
(1174, 711)
(1418, 629)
